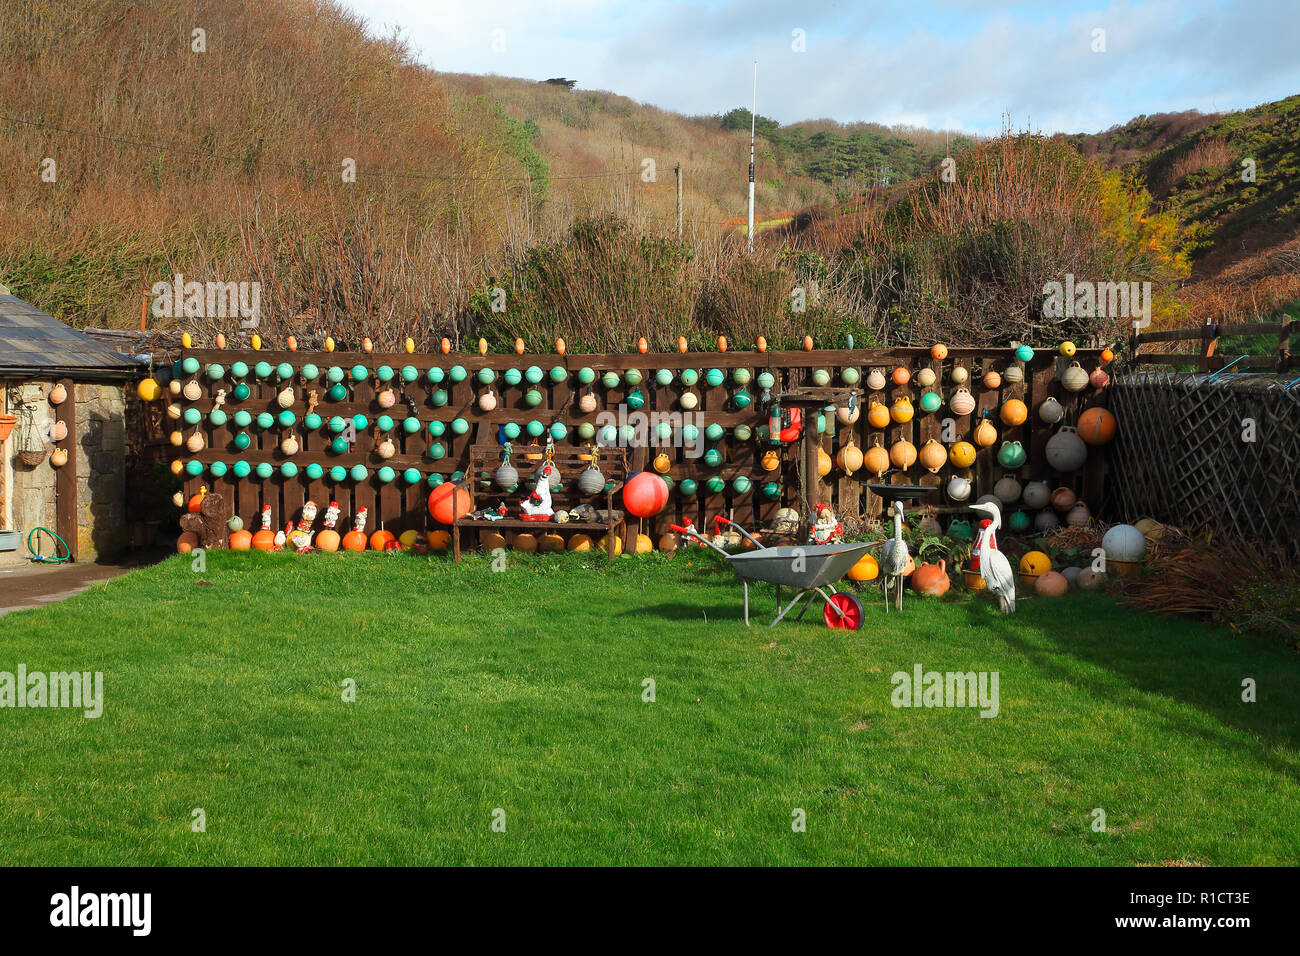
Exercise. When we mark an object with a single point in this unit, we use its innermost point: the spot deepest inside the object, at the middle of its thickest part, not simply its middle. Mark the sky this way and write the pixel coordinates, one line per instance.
(1063, 66)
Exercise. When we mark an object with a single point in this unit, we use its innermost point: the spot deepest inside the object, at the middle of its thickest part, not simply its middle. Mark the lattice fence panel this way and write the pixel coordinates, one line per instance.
(1209, 453)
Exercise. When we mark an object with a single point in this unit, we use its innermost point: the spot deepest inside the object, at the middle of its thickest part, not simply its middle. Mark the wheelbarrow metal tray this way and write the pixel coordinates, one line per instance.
(795, 566)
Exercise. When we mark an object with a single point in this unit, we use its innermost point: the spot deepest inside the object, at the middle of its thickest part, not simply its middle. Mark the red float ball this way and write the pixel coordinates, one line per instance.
(645, 494)
(448, 502)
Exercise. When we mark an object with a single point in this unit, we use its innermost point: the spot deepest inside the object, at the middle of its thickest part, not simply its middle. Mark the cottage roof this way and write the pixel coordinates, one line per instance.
(35, 342)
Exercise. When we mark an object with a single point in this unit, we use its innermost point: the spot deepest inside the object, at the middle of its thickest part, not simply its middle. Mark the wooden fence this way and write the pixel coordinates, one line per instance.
(1206, 358)
(436, 450)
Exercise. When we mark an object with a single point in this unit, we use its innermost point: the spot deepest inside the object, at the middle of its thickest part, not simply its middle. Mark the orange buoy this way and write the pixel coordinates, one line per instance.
(762, 344)
(681, 343)
(367, 345)
(559, 346)
(240, 540)
(519, 346)
(1097, 426)
(722, 343)
(327, 540)
(807, 343)
(901, 376)
(642, 345)
(938, 351)
(445, 345)
(187, 542)
(354, 541)
(1107, 355)
(447, 502)
(1014, 412)
(264, 540)
(380, 540)
(293, 344)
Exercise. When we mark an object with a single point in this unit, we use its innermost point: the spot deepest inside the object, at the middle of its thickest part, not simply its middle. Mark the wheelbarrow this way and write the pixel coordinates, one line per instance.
(809, 569)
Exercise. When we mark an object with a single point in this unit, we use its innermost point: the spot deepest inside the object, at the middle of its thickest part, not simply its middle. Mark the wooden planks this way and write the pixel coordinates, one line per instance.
(399, 506)
(65, 479)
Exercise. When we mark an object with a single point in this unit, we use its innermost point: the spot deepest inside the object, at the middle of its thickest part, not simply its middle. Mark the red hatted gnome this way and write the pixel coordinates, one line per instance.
(300, 537)
(825, 528)
(332, 515)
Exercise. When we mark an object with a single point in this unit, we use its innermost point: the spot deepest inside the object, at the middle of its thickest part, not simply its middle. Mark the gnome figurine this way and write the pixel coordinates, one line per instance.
(300, 537)
(825, 528)
(331, 515)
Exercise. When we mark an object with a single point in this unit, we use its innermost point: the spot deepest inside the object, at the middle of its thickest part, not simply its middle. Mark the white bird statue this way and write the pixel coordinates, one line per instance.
(893, 559)
(995, 569)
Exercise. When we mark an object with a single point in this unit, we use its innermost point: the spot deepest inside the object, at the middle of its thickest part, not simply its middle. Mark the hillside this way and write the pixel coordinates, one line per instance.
(1242, 218)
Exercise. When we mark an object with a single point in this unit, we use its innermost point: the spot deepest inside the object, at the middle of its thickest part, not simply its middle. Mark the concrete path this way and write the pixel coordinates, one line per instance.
(35, 585)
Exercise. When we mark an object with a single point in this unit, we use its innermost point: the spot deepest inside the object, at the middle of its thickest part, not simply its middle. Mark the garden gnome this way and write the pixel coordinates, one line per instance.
(301, 536)
(825, 527)
(332, 515)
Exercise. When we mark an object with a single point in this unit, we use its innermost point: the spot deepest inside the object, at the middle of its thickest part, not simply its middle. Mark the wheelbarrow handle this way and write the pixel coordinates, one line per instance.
(698, 537)
(719, 520)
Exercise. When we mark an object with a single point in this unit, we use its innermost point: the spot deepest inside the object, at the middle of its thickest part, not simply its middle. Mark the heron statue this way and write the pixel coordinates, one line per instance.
(893, 559)
(995, 569)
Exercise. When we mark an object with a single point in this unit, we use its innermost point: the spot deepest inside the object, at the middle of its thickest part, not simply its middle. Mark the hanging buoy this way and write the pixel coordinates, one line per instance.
(366, 345)
(409, 344)
(559, 346)
(329, 343)
(762, 344)
(807, 343)
(255, 342)
(293, 344)
(221, 340)
(681, 343)
(186, 340)
(722, 343)
(445, 345)
(482, 346)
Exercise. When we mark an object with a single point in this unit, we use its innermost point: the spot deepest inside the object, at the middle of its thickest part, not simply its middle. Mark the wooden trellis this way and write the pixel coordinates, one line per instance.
(1208, 452)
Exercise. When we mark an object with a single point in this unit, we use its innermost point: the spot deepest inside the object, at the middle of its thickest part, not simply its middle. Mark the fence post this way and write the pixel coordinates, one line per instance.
(1284, 344)
(1210, 340)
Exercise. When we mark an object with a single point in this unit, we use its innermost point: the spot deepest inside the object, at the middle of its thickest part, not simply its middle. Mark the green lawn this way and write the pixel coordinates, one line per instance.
(522, 690)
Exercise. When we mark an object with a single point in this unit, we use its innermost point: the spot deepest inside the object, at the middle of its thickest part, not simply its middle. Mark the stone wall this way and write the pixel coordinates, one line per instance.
(101, 469)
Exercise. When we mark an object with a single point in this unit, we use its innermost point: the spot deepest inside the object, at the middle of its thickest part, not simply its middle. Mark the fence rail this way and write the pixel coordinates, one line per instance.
(1206, 358)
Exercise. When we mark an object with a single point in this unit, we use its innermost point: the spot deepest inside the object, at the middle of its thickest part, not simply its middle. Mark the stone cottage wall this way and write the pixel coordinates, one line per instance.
(101, 469)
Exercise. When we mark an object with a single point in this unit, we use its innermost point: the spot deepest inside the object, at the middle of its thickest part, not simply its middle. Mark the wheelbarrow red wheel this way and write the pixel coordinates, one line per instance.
(849, 615)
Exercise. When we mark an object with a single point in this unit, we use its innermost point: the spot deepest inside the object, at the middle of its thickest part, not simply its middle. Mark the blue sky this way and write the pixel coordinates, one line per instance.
(958, 64)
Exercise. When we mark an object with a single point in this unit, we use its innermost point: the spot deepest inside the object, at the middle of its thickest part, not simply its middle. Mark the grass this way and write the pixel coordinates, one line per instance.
(522, 690)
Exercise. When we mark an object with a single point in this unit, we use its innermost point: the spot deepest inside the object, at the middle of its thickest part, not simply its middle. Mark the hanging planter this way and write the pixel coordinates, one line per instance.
(31, 449)
(7, 423)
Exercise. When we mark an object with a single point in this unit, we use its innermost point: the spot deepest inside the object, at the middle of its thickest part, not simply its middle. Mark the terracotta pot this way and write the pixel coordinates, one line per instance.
(7, 423)
(931, 579)
(58, 394)
(973, 580)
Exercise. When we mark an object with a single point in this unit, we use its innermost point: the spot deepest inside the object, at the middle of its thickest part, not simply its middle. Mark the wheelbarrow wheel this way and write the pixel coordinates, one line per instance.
(849, 613)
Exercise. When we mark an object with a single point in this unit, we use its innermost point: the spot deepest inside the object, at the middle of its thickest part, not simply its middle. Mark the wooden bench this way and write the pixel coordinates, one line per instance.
(570, 462)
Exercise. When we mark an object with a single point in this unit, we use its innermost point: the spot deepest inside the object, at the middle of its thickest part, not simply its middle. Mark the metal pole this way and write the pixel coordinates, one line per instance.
(752, 114)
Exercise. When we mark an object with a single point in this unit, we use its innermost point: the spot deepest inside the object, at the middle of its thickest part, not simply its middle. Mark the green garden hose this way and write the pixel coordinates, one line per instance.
(51, 559)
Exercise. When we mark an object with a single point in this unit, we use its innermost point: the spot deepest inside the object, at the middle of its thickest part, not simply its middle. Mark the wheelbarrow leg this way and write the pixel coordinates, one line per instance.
(808, 605)
(746, 585)
(788, 608)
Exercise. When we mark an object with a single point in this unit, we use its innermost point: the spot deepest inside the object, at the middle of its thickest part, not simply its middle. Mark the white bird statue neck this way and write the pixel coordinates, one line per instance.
(995, 569)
